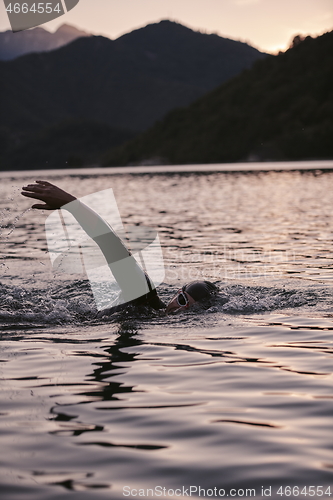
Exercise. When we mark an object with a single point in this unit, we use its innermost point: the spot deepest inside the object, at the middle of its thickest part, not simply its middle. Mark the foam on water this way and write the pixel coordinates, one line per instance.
(36, 307)
(73, 304)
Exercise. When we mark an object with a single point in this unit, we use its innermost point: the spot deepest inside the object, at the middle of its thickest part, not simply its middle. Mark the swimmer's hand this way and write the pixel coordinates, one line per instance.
(52, 196)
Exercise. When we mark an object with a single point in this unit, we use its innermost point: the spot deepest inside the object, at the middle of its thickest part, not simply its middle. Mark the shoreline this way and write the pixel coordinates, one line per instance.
(165, 169)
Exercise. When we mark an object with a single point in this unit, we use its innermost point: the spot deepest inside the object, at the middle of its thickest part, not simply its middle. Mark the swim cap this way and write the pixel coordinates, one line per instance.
(200, 290)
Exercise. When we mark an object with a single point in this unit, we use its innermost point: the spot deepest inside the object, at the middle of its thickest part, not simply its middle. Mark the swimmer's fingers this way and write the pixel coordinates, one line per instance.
(41, 187)
(31, 188)
(32, 193)
(52, 196)
(42, 207)
(37, 197)
(46, 183)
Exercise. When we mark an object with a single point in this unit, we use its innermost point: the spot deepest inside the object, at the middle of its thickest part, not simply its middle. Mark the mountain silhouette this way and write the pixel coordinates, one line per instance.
(13, 45)
(121, 82)
(281, 108)
(127, 84)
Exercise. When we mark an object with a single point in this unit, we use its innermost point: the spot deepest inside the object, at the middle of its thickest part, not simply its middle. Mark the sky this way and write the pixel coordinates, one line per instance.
(268, 25)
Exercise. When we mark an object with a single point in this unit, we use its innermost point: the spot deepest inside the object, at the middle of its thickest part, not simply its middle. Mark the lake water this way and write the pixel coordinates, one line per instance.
(235, 399)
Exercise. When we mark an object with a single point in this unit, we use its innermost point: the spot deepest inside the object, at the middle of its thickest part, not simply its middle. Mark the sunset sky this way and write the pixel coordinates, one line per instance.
(266, 24)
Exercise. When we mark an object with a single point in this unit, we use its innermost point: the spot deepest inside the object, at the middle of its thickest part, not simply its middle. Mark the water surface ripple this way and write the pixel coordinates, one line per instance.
(236, 394)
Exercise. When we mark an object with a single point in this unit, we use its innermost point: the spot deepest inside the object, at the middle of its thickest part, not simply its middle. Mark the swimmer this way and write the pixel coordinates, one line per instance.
(131, 278)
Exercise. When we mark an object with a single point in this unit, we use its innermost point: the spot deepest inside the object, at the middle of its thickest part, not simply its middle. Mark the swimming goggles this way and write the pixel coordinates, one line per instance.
(182, 300)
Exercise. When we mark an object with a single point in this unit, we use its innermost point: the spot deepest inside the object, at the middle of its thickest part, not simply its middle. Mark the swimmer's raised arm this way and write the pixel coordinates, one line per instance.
(133, 281)
(95, 226)
(52, 196)
(55, 198)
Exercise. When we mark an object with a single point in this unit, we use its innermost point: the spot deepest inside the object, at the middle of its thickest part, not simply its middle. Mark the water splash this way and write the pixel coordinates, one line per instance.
(73, 304)
(62, 304)
(9, 226)
(246, 299)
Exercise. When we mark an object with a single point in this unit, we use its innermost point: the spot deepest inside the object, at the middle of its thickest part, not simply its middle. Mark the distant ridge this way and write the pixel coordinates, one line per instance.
(13, 45)
(280, 109)
(127, 84)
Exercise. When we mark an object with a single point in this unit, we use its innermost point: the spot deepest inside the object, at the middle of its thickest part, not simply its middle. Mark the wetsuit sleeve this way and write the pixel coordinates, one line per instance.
(130, 277)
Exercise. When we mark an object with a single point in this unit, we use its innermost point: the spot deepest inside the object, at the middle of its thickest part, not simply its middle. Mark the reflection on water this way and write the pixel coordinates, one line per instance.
(234, 395)
(220, 407)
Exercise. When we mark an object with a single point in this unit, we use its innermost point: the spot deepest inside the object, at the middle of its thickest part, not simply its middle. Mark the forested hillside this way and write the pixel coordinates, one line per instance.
(281, 108)
(125, 85)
